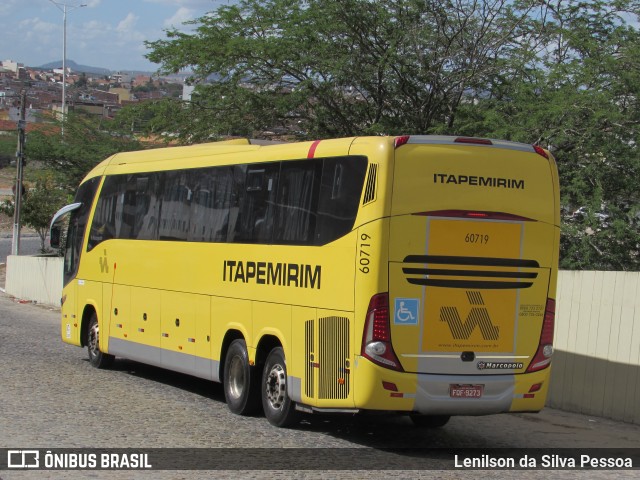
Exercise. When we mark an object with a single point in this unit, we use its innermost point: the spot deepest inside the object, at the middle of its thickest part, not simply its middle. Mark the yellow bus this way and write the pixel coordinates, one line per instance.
(411, 274)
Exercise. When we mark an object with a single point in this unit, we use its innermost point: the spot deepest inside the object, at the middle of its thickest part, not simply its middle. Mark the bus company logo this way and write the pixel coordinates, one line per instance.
(104, 263)
(500, 365)
(478, 317)
(477, 181)
(272, 273)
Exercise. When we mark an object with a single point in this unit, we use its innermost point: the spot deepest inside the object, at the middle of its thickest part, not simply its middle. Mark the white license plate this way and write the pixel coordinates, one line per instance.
(466, 391)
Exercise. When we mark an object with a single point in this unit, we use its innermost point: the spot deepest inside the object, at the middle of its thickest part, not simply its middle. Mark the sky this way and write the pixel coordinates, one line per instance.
(105, 33)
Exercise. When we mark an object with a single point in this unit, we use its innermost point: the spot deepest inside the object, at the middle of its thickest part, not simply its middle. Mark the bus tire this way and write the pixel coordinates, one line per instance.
(240, 380)
(97, 358)
(278, 407)
(430, 421)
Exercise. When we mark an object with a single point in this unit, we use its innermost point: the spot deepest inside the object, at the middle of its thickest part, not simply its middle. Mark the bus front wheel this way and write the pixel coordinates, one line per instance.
(278, 407)
(97, 358)
(240, 380)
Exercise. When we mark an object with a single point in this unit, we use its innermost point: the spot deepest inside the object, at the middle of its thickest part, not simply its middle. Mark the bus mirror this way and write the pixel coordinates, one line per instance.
(55, 230)
(54, 236)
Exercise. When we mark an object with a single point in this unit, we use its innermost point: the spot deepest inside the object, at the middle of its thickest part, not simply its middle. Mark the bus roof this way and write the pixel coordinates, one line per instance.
(192, 156)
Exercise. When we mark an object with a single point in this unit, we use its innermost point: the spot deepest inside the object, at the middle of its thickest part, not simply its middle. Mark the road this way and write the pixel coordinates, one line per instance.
(50, 397)
(29, 245)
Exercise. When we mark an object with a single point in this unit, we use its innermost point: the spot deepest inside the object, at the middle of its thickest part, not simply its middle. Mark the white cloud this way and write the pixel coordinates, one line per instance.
(44, 37)
(182, 15)
(128, 24)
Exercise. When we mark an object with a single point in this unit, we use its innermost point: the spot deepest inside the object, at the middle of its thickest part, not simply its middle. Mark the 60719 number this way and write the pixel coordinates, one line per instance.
(364, 253)
(476, 238)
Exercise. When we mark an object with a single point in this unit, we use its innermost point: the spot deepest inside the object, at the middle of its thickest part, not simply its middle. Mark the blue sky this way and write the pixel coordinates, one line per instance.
(105, 33)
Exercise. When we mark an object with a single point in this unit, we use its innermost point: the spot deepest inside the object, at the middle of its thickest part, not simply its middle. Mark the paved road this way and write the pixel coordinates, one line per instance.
(50, 397)
(29, 245)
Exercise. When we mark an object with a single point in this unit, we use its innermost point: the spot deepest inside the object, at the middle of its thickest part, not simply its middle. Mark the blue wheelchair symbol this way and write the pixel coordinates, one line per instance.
(406, 311)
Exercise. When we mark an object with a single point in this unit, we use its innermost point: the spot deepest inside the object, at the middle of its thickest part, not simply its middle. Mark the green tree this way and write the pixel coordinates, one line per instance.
(82, 81)
(39, 205)
(577, 91)
(86, 142)
(338, 68)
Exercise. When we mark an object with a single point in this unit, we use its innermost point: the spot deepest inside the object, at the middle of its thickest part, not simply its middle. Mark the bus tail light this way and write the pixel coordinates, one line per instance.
(399, 141)
(540, 151)
(376, 341)
(473, 141)
(542, 359)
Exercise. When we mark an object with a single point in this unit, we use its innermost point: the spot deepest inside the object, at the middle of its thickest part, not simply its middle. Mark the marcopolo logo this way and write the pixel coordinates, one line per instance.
(500, 365)
(478, 317)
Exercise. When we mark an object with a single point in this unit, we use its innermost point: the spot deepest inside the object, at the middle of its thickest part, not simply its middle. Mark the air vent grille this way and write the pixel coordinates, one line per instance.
(372, 181)
(334, 354)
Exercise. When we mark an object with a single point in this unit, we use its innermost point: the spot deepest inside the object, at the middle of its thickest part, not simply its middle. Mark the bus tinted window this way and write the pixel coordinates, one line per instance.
(213, 198)
(342, 180)
(177, 197)
(77, 225)
(257, 204)
(105, 225)
(305, 202)
(297, 202)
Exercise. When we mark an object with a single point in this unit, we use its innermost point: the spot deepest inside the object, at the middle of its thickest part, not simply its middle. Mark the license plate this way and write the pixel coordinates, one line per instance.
(465, 391)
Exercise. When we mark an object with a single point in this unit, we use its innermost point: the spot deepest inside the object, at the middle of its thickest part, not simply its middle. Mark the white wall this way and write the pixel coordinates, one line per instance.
(596, 365)
(34, 278)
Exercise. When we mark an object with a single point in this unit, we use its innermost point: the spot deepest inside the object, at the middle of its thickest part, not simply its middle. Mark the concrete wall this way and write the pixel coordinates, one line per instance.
(34, 278)
(596, 364)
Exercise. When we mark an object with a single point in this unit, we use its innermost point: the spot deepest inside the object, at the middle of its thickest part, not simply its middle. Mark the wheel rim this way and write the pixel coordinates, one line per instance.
(236, 377)
(276, 386)
(94, 340)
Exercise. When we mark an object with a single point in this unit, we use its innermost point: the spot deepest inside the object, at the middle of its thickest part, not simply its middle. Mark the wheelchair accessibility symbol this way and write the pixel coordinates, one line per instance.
(406, 311)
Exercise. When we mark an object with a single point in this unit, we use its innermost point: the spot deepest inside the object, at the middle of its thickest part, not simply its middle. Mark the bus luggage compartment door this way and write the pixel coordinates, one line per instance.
(467, 304)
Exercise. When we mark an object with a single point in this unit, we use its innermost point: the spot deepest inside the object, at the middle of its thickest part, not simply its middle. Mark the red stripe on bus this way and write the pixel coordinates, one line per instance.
(312, 149)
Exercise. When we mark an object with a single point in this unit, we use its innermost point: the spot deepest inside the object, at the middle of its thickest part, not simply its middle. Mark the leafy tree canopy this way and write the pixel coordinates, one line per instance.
(39, 205)
(86, 142)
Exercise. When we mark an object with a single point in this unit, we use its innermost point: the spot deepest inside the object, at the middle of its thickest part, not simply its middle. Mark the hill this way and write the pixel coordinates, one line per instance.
(76, 67)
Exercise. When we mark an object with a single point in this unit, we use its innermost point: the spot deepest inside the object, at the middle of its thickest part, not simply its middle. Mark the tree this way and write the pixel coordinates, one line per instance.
(338, 68)
(577, 92)
(82, 81)
(86, 142)
(39, 206)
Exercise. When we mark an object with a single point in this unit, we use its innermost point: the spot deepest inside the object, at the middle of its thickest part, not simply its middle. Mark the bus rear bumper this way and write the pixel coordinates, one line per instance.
(379, 388)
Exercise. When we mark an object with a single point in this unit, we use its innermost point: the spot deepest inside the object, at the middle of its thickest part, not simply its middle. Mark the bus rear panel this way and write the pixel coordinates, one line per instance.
(472, 265)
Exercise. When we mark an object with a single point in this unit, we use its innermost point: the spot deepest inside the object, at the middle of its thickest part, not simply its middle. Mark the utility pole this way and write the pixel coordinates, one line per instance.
(22, 125)
(63, 8)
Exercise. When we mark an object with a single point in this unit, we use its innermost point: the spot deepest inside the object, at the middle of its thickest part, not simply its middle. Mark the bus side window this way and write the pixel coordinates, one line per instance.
(297, 202)
(257, 204)
(340, 190)
(103, 226)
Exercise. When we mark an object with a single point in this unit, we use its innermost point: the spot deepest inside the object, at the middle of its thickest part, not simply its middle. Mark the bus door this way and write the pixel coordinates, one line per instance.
(472, 245)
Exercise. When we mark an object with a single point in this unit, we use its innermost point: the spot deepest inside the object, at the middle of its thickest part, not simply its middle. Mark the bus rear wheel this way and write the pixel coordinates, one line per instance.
(278, 407)
(240, 380)
(97, 358)
(430, 421)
